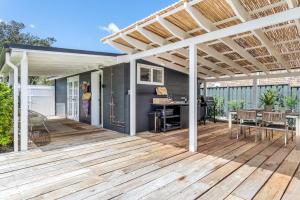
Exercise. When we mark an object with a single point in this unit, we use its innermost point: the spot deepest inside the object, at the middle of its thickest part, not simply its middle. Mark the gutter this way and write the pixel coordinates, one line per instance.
(16, 99)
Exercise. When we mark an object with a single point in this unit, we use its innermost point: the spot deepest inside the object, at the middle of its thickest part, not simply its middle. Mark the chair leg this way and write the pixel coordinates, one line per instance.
(272, 133)
(46, 127)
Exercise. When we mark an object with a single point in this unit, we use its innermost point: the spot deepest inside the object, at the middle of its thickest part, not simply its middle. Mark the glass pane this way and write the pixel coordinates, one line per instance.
(145, 74)
(157, 76)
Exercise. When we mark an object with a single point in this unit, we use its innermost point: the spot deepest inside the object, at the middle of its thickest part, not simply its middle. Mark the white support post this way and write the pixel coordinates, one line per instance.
(132, 97)
(204, 89)
(254, 93)
(24, 102)
(11, 78)
(193, 98)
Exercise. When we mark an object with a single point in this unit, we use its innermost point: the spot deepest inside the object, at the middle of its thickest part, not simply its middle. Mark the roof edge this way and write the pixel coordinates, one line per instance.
(57, 49)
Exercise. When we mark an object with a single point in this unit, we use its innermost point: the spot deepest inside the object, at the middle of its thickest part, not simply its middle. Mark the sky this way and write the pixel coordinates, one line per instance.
(78, 24)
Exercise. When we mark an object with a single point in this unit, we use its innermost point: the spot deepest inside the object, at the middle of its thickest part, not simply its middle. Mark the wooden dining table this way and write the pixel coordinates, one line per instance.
(289, 115)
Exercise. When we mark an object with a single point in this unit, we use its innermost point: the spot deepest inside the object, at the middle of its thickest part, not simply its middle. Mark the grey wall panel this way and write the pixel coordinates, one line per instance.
(115, 98)
(175, 82)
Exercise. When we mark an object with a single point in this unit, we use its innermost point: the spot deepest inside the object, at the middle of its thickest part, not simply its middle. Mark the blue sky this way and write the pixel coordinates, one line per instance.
(78, 24)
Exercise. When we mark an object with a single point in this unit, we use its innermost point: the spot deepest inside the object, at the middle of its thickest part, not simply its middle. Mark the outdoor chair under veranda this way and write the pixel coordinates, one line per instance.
(275, 121)
(247, 119)
(39, 133)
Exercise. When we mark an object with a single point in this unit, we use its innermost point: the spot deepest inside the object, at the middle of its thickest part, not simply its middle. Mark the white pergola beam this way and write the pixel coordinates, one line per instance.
(172, 28)
(244, 16)
(277, 18)
(121, 47)
(24, 102)
(193, 130)
(181, 34)
(209, 26)
(221, 57)
(293, 4)
(152, 36)
(208, 63)
(161, 41)
(261, 76)
(134, 42)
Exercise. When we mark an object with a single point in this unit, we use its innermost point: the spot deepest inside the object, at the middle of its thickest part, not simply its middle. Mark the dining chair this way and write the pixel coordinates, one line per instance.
(247, 119)
(275, 121)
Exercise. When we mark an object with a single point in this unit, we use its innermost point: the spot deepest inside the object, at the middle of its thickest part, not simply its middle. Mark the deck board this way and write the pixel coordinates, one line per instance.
(86, 162)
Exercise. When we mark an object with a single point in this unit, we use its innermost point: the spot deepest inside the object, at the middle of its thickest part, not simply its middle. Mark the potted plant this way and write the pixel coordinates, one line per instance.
(268, 99)
(291, 102)
(236, 105)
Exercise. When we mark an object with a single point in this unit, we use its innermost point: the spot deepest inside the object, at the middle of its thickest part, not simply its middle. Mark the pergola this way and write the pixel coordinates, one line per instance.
(25, 60)
(215, 40)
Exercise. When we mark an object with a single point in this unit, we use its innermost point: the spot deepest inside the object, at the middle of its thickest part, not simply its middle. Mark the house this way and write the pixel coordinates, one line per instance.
(179, 45)
(107, 80)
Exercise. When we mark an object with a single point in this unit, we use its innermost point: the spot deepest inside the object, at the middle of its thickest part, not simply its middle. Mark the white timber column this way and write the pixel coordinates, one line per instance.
(204, 89)
(254, 93)
(132, 97)
(11, 78)
(24, 102)
(193, 98)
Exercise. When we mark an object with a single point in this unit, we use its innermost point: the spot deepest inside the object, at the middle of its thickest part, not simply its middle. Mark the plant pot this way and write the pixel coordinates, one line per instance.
(268, 108)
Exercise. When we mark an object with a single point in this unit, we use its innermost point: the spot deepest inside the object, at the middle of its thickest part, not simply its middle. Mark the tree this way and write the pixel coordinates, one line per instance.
(12, 33)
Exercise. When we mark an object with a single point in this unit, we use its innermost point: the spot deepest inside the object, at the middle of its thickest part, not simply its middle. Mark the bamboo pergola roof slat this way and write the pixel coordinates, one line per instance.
(271, 48)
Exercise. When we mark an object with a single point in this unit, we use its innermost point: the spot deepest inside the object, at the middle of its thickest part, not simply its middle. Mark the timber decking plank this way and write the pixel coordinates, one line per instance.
(275, 187)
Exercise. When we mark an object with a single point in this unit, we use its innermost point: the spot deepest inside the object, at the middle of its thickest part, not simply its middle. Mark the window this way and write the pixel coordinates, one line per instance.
(150, 75)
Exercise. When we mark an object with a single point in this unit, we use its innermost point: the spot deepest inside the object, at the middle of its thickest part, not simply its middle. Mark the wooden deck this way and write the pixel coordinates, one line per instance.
(155, 166)
(68, 133)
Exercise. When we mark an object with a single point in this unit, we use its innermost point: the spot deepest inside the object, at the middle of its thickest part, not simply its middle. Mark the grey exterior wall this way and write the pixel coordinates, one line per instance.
(115, 98)
(116, 80)
(61, 93)
(177, 86)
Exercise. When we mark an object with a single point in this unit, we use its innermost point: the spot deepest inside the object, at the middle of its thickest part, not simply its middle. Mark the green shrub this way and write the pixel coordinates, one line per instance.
(6, 115)
(269, 98)
(291, 102)
(219, 106)
(235, 105)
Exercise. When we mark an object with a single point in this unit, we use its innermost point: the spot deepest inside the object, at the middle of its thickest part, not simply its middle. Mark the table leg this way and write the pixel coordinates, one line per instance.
(298, 133)
(230, 123)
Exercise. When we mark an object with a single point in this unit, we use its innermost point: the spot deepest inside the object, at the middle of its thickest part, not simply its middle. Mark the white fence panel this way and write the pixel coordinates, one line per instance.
(42, 99)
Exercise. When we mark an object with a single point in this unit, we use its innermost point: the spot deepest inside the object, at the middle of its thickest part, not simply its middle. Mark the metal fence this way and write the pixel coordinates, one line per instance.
(245, 93)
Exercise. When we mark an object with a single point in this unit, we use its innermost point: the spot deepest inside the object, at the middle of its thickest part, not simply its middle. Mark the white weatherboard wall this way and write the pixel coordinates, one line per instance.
(42, 99)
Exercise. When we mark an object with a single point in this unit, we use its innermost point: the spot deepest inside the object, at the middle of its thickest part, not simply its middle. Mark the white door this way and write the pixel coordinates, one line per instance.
(73, 98)
(96, 101)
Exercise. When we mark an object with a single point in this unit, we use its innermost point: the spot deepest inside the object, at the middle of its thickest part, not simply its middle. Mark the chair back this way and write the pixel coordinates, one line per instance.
(247, 115)
(274, 117)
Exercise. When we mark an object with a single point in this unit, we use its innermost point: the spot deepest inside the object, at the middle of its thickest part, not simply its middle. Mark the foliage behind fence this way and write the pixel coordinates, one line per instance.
(244, 93)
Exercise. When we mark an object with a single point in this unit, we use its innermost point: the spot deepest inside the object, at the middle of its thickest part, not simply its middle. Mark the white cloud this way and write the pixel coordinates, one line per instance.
(1, 20)
(111, 28)
(31, 25)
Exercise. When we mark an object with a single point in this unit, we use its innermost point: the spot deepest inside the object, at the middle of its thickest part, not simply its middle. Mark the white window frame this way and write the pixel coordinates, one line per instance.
(151, 68)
